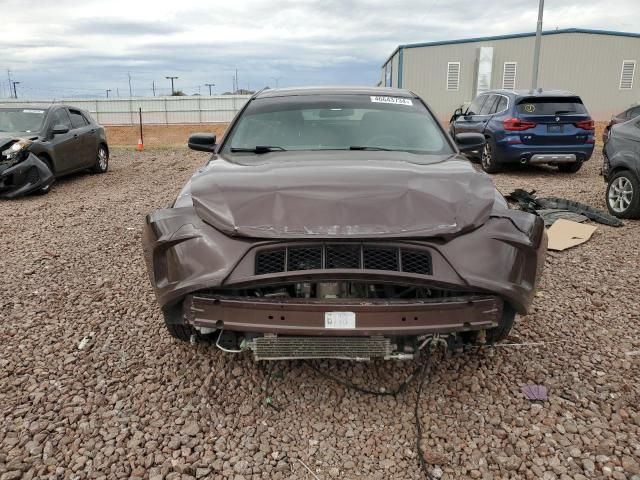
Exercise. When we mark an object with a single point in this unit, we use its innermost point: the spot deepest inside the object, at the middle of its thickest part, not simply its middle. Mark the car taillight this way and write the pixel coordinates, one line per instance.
(515, 124)
(586, 125)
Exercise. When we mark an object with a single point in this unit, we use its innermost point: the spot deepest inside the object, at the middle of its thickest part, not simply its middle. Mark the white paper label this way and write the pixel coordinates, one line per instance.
(33, 111)
(340, 320)
(394, 100)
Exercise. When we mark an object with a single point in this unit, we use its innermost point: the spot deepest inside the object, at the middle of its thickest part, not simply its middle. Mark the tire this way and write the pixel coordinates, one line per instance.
(623, 195)
(174, 321)
(102, 160)
(497, 334)
(488, 158)
(569, 167)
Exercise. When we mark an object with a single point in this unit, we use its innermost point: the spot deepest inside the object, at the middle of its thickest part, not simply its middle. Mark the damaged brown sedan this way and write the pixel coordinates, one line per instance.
(340, 223)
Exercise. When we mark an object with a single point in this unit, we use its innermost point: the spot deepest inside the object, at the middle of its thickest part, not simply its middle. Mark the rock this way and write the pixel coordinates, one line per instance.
(190, 428)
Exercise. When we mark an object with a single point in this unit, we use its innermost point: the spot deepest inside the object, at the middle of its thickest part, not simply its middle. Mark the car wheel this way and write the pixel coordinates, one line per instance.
(173, 320)
(102, 160)
(569, 167)
(623, 195)
(496, 334)
(488, 158)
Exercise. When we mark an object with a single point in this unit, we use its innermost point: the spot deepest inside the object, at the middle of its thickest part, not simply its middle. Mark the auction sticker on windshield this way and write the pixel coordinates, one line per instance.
(33, 111)
(394, 100)
(339, 320)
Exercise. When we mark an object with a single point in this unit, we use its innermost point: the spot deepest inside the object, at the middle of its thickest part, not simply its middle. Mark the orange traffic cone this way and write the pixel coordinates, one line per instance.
(140, 146)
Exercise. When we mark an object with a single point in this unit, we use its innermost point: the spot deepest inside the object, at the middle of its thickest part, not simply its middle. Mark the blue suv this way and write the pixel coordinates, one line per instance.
(529, 127)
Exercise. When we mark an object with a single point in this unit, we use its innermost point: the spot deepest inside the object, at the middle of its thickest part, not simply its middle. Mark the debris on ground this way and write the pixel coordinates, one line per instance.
(86, 341)
(535, 392)
(529, 202)
(564, 234)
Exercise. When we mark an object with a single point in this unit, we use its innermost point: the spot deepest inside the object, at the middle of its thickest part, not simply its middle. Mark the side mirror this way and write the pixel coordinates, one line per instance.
(60, 129)
(202, 142)
(469, 142)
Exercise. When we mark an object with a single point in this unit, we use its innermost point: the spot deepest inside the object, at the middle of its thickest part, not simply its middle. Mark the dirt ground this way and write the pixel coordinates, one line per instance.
(134, 403)
(160, 135)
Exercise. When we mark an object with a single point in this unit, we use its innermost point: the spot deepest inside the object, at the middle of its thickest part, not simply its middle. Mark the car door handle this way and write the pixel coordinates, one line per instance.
(75, 135)
(93, 130)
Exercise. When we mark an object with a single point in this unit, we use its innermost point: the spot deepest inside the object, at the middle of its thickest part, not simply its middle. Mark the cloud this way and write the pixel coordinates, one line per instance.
(66, 48)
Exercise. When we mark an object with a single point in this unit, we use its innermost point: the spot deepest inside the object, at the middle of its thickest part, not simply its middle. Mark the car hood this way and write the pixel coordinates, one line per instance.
(344, 195)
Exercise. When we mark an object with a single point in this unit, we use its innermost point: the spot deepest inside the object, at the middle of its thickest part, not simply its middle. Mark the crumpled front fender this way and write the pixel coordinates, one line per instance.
(505, 257)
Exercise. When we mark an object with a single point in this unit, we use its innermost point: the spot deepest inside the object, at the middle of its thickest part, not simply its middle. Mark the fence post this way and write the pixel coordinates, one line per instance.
(166, 112)
(97, 112)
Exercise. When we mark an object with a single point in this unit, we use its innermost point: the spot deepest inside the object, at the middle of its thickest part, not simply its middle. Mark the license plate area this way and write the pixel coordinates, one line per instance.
(340, 320)
(554, 128)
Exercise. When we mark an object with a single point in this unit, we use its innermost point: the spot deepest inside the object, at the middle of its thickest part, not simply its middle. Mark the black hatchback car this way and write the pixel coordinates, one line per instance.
(41, 143)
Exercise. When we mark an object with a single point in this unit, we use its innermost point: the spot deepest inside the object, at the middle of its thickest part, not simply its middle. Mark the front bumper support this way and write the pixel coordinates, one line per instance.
(287, 316)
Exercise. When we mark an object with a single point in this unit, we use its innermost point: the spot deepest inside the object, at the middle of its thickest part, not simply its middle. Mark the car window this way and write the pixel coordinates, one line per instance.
(550, 106)
(77, 120)
(501, 104)
(338, 122)
(25, 120)
(60, 117)
(488, 105)
(476, 105)
(633, 112)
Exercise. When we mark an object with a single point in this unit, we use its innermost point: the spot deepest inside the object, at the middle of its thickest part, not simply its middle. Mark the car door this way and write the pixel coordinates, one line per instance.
(64, 145)
(471, 120)
(85, 155)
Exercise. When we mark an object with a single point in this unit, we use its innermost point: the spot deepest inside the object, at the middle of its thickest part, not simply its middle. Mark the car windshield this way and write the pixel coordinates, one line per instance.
(551, 106)
(21, 120)
(337, 122)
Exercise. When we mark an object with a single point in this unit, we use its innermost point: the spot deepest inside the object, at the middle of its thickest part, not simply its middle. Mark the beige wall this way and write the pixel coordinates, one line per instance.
(588, 64)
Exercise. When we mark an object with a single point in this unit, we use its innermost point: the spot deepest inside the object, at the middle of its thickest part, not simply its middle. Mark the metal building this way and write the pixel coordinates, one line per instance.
(598, 65)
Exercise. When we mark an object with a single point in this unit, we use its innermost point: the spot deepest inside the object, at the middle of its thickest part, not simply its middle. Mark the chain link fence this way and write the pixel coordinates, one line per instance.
(155, 110)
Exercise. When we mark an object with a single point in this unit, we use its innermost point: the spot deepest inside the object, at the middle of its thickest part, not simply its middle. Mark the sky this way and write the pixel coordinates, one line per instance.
(71, 48)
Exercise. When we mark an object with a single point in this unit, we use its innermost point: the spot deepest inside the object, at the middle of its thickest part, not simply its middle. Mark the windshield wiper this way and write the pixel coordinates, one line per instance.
(258, 149)
(357, 147)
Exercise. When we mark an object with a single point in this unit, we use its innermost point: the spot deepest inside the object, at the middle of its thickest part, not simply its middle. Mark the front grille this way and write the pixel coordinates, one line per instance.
(270, 261)
(346, 348)
(343, 256)
(304, 259)
(381, 258)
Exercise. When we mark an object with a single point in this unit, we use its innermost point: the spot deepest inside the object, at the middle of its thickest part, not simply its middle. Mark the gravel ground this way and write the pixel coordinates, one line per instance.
(133, 403)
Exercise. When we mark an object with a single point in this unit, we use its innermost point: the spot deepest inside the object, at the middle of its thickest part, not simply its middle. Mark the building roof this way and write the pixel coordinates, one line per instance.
(287, 92)
(510, 36)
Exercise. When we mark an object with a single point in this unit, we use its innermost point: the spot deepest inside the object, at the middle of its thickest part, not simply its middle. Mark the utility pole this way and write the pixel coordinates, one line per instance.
(108, 90)
(153, 87)
(210, 85)
(15, 92)
(277, 79)
(173, 92)
(130, 91)
(237, 83)
(9, 77)
(536, 51)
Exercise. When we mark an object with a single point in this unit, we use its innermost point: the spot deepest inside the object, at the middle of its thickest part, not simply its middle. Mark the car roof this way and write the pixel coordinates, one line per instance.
(535, 93)
(296, 91)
